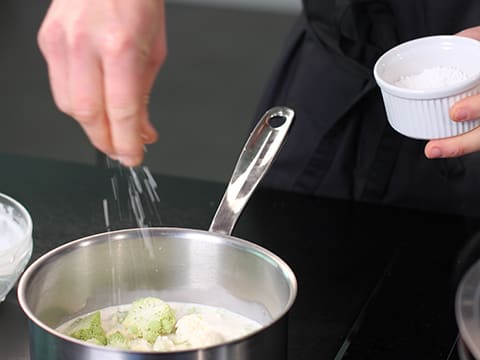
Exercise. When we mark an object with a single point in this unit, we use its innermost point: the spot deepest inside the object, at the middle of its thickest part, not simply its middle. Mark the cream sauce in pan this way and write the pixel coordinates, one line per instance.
(197, 326)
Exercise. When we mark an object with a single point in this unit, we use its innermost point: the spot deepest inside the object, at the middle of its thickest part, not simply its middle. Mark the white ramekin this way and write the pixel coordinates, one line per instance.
(424, 114)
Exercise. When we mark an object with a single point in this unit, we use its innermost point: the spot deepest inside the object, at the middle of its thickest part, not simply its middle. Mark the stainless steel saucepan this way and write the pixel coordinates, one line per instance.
(175, 264)
(467, 312)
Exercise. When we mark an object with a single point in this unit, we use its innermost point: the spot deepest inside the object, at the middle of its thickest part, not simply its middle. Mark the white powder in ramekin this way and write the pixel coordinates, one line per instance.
(432, 78)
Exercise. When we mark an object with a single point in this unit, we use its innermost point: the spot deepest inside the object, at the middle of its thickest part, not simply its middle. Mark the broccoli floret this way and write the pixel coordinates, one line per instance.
(88, 328)
(148, 318)
(117, 340)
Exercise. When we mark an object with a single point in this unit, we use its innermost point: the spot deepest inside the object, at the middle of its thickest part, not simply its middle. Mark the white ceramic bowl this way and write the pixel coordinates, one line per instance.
(16, 242)
(424, 113)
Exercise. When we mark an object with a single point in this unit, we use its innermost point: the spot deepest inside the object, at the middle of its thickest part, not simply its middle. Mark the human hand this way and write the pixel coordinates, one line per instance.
(463, 110)
(103, 57)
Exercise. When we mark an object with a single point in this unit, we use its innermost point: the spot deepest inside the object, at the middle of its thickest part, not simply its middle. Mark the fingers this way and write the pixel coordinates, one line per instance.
(103, 58)
(156, 58)
(125, 105)
(454, 146)
(463, 110)
(53, 45)
(154, 62)
(130, 68)
(108, 98)
(147, 131)
(75, 78)
(466, 109)
(86, 94)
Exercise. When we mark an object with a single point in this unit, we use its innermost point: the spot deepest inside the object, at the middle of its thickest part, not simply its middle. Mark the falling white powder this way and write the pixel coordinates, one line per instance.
(432, 78)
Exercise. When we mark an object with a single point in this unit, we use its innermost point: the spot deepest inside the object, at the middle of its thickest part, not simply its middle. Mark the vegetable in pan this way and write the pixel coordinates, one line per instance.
(89, 328)
(149, 318)
(150, 324)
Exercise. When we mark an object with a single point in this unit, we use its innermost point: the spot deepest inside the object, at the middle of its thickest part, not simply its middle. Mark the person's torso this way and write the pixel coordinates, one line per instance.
(384, 23)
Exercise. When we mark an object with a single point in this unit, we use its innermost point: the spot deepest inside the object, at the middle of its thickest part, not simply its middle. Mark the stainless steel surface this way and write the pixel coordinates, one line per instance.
(467, 309)
(173, 264)
(256, 157)
(207, 267)
(462, 351)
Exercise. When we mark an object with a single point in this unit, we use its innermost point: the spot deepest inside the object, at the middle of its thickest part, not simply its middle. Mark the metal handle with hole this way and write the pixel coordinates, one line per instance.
(255, 159)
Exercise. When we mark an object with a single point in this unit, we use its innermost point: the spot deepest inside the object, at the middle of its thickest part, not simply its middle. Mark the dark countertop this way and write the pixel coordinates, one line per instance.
(374, 282)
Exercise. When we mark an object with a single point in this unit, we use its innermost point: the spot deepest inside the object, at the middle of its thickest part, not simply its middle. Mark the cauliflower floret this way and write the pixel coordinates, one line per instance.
(196, 331)
(149, 318)
(139, 345)
(88, 328)
(117, 340)
(120, 316)
(163, 343)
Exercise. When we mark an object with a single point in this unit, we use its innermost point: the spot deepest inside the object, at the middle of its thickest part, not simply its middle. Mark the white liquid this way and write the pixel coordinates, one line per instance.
(15, 251)
(10, 232)
(219, 325)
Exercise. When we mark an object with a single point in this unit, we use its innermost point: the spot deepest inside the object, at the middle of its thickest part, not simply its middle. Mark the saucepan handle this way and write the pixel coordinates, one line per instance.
(255, 159)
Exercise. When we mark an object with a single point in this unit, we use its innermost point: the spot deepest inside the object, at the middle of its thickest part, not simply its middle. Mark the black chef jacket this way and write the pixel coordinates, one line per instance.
(341, 144)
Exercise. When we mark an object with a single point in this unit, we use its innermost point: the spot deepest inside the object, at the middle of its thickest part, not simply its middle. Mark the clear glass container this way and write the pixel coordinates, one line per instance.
(16, 242)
